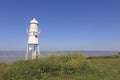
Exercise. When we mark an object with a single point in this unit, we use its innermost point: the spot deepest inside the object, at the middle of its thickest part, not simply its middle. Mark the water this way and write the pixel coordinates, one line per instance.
(11, 56)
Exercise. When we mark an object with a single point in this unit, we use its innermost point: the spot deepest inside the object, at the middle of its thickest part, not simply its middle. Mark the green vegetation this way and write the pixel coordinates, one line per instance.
(105, 57)
(62, 67)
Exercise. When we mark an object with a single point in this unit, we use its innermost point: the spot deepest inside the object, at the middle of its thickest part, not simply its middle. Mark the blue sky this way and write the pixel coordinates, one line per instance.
(64, 24)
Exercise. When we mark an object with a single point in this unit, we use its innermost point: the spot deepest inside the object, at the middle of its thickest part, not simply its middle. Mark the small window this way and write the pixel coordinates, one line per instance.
(36, 36)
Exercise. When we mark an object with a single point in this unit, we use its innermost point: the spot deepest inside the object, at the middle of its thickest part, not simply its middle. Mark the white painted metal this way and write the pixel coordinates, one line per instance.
(38, 51)
(33, 39)
(33, 32)
(26, 53)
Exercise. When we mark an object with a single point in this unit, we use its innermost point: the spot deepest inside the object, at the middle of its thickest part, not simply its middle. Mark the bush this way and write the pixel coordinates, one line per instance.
(23, 70)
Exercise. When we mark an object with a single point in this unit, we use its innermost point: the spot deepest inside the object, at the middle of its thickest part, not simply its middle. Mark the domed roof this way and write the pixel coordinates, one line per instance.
(34, 21)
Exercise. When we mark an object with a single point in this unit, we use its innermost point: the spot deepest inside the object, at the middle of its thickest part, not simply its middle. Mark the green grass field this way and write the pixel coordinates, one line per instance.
(63, 67)
(109, 66)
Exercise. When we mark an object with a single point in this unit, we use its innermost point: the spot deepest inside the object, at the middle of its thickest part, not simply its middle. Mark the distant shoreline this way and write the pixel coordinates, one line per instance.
(11, 56)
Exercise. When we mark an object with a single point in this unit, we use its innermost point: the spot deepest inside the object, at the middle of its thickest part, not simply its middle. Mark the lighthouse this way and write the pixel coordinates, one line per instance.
(33, 40)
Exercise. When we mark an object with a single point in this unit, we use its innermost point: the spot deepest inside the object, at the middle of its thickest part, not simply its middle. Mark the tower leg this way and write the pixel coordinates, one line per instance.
(26, 53)
(32, 51)
(35, 54)
(38, 51)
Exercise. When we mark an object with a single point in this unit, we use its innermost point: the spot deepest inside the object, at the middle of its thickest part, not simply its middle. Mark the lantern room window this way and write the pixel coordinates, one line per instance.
(36, 36)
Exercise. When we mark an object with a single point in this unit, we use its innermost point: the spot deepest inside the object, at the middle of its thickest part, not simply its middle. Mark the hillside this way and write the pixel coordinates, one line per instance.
(62, 67)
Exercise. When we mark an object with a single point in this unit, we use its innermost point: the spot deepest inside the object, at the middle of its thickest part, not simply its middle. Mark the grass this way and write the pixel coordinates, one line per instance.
(109, 66)
(62, 67)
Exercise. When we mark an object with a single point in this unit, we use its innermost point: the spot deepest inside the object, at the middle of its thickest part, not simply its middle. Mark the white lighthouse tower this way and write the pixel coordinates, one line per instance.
(33, 40)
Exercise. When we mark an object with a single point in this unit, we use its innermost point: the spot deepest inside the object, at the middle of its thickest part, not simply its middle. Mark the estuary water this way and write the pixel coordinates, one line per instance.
(12, 56)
